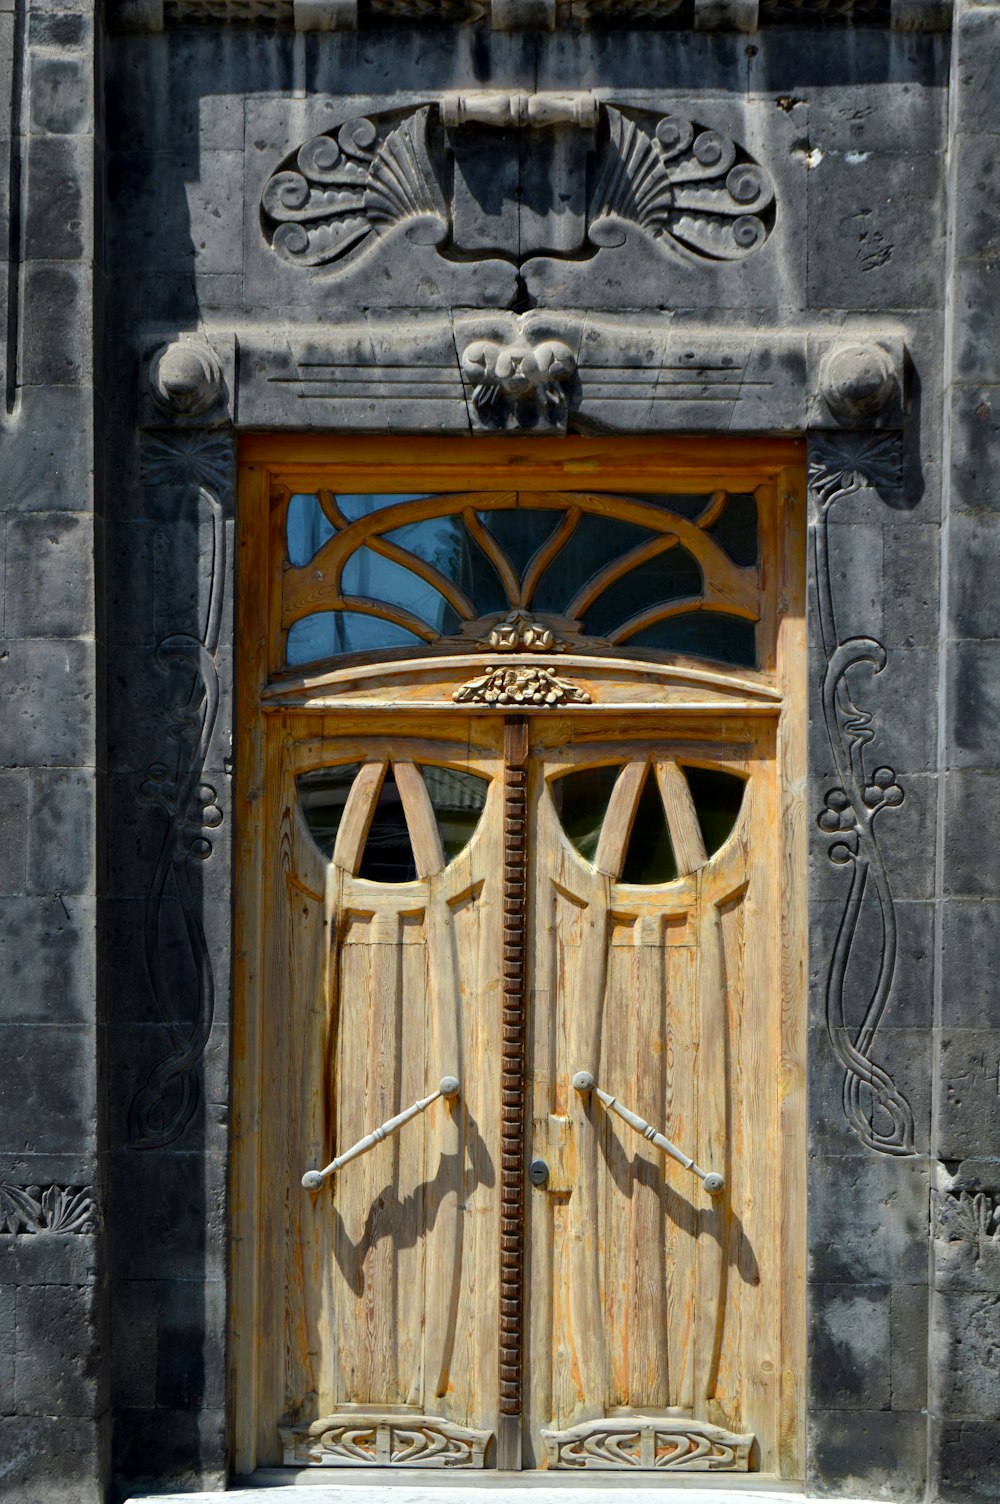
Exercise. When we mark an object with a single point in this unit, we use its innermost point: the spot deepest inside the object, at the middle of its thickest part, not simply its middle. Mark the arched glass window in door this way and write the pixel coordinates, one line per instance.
(643, 575)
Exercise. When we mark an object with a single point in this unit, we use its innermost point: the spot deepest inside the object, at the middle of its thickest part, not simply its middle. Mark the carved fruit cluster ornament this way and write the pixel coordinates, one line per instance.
(520, 385)
(520, 686)
(685, 187)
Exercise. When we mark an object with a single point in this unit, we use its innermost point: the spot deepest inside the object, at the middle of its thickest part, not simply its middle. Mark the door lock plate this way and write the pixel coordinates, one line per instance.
(538, 1172)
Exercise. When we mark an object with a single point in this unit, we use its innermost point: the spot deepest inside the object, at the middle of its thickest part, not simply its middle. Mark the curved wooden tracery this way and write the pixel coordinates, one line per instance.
(318, 584)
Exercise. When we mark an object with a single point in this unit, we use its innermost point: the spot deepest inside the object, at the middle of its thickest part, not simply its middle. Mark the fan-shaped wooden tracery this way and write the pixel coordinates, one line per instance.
(378, 573)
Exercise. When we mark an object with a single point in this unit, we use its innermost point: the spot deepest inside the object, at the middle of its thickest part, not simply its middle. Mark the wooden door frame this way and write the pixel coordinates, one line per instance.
(611, 464)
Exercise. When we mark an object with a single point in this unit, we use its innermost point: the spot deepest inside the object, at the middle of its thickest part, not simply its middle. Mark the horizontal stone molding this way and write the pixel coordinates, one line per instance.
(533, 15)
(545, 372)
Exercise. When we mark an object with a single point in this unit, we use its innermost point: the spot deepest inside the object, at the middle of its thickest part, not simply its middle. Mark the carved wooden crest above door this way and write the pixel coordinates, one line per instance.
(520, 1100)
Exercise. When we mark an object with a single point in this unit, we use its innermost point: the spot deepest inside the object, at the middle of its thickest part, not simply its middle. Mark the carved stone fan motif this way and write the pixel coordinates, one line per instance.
(539, 573)
(687, 187)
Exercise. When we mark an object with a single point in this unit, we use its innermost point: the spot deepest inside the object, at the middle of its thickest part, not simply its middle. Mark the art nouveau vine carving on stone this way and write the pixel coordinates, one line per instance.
(46, 1209)
(686, 187)
(164, 1106)
(876, 1110)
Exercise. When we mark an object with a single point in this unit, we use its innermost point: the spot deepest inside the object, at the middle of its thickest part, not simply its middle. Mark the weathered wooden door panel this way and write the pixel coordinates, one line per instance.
(664, 992)
(568, 883)
(384, 985)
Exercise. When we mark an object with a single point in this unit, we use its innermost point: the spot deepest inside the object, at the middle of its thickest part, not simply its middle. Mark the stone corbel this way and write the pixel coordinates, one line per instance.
(857, 380)
(189, 382)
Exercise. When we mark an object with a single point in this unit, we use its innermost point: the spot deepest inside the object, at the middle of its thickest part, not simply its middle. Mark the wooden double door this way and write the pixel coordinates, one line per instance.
(567, 915)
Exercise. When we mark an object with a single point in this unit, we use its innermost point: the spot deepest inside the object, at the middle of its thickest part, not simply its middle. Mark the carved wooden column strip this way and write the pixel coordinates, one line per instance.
(515, 861)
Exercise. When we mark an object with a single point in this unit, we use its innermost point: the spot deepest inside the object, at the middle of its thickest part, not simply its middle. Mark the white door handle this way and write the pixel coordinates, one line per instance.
(447, 1087)
(584, 1083)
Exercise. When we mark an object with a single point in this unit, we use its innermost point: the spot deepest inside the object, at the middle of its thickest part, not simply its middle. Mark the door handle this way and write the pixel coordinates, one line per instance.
(584, 1083)
(447, 1087)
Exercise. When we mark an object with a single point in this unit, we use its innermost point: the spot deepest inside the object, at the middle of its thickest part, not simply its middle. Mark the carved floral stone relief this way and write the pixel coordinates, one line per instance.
(46, 1209)
(877, 1111)
(690, 190)
(164, 1105)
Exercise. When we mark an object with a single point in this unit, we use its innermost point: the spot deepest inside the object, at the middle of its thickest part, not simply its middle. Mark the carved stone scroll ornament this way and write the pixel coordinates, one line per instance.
(374, 1439)
(163, 1107)
(691, 190)
(49, 1209)
(510, 687)
(649, 1444)
(876, 1110)
(520, 385)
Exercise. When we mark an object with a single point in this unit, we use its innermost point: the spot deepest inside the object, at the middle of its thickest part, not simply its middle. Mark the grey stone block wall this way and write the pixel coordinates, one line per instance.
(964, 1397)
(54, 1396)
(151, 148)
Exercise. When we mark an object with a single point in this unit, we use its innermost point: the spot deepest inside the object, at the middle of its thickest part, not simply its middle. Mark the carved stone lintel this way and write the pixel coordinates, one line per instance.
(185, 377)
(511, 687)
(648, 1443)
(374, 1438)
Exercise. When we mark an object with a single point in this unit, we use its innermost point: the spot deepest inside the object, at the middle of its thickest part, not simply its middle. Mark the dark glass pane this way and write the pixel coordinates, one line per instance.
(688, 504)
(306, 529)
(388, 855)
(520, 531)
(702, 634)
(445, 543)
(354, 507)
(458, 798)
(736, 529)
(669, 577)
(322, 796)
(717, 799)
(595, 541)
(581, 801)
(650, 856)
(325, 634)
(366, 573)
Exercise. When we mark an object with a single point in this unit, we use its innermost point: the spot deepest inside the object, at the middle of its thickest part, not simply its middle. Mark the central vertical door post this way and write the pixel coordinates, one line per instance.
(515, 875)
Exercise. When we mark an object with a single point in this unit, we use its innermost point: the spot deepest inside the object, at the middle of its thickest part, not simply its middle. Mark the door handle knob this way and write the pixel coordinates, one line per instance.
(585, 1084)
(448, 1086)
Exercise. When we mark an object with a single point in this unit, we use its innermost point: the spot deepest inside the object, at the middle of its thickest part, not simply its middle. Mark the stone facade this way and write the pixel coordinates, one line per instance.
(161, 296)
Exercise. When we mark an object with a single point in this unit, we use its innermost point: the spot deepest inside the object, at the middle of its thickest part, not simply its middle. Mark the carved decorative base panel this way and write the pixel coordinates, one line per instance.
(648, 1443)
(356, 1438)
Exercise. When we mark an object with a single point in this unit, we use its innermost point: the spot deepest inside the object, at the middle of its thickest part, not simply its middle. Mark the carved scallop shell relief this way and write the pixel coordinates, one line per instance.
(686, 188)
